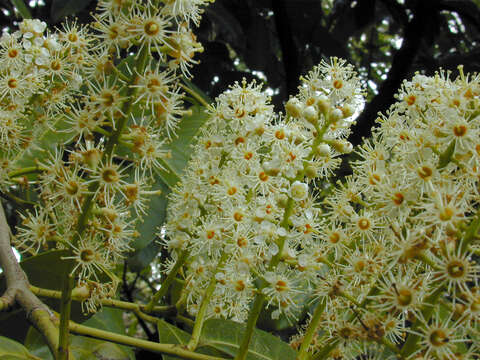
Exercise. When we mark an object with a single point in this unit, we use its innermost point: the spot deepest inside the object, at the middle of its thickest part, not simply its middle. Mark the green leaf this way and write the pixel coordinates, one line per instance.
(22, 9)
(84, 348)
(35, 344)
(46, 269)
(189, 127)
(169, 334)
(148, 227)
(43, 145)
(175, 291)
(446, 156)
(199, 91)
(180, 146)
(180, 151)
(225, 336)
(12, 350)
(108, 319)
(267, 323)
(63, 8)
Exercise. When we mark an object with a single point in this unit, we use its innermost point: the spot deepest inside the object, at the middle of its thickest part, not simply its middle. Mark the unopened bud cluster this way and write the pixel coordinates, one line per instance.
(244, 210)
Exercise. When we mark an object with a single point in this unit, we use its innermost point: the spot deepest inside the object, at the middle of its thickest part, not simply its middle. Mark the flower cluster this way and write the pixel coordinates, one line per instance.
(88, 121)
(388, 260)
(400, 234)
(244, 211)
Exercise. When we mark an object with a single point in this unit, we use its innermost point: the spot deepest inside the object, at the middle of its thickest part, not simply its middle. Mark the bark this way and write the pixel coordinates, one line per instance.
(18, 291)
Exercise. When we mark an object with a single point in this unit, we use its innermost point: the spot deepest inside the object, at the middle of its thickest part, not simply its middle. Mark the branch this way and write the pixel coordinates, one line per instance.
(290, 52)
(18, 291)
(127, 290)
(113, 303)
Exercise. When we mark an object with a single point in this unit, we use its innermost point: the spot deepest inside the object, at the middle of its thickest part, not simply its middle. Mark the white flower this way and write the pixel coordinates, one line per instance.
(298, 191)
(323, 150)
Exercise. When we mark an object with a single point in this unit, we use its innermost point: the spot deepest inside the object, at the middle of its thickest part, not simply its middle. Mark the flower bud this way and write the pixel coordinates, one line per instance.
(323, 104)
(282, 200)
(347, 111)
(92, 158)
(81, 292)
(311, 172)
(109, 213)
(336, 115)
(298, 191)
(323, 150)
(342, 146)
(293, 107)
(272, 167)
(310, 114)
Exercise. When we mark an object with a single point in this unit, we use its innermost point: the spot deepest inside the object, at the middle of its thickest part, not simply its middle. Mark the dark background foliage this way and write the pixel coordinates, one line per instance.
(275, 41)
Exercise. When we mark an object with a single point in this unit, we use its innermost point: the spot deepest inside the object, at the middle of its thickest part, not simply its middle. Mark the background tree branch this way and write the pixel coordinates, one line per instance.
(290, 53)
(414, 36)
(18, 292)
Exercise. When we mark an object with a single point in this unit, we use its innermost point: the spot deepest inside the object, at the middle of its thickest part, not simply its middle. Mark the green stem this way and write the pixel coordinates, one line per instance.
(260, 298)
(120, 74)
(350, 298)
(196, 96)
(426, 260)
(65, 309)
(21, 8)
(167, 282)
(102, 131)
(251, 322)
(145, 317)
(200, 318)
(381, 340)
(171, 349)
(113, 303)
(26, 171)
(127, 144)
(127, 105)
(186, 321)
(281, 240)
(180, 304)
(311, 331)
(87, 207)
(19, 201)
